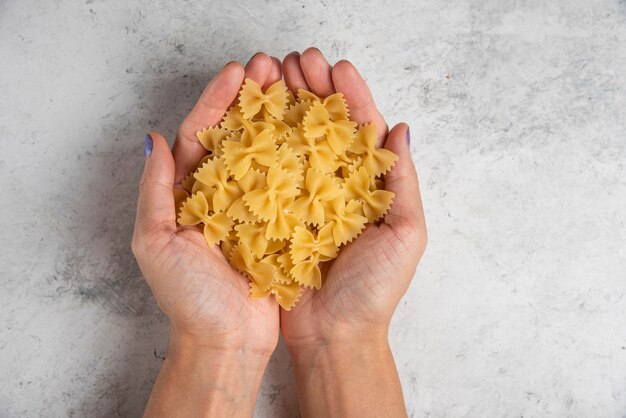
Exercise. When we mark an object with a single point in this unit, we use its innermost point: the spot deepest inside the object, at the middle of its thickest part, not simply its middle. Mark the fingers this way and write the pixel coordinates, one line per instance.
(294, 78)
(208, 111)
(275, 73)
(402, 181)
(317, 72)
(259, 67)
(348, 81)
(155, 210)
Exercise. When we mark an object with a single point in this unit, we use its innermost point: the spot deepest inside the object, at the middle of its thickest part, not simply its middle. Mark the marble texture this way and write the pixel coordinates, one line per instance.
(517, 113)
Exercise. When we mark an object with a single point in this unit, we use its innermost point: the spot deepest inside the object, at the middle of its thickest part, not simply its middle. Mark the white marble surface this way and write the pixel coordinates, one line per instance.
(517, 110)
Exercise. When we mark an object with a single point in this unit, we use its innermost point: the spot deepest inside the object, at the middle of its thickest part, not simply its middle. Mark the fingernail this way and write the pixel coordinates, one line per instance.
(294, 52)
(147, 149)
(408, 136)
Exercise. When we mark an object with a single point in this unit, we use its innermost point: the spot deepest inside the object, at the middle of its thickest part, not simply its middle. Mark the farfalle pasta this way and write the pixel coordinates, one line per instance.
(286, 182)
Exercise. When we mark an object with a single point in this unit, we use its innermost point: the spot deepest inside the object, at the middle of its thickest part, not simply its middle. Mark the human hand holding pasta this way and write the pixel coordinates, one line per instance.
(337, 335)
(282, 182)
(220, 339)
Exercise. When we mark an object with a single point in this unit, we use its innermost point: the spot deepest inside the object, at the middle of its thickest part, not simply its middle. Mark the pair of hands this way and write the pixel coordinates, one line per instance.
(208, 301)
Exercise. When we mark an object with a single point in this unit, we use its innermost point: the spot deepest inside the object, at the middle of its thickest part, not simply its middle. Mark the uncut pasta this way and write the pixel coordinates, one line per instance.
(287, 181)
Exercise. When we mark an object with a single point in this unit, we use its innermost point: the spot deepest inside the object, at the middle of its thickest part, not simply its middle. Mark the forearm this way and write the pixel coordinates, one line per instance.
(348, 379)
(197, 381)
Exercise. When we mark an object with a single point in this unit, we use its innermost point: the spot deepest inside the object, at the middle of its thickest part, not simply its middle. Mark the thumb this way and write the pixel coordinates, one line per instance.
(402, 181)
(155, 209)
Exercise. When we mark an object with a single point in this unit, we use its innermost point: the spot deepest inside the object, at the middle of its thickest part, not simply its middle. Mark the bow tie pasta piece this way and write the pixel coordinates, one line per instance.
(345, 218)
(319, 188)
(286, 182)
(280, 189)
(213, 177)
(375, 160)
(305, 244)
(211, 139)
(376, 203)
(335, 103)
(252, 99)
(317, 124)
(239, 155)
(195, 210)
(337, 107)
(217, 227)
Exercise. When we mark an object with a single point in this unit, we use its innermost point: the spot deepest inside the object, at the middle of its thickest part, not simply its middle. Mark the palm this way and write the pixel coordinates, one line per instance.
(207, 296)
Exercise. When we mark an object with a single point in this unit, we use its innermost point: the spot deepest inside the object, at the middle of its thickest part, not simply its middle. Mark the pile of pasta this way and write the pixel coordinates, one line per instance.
(286, 182)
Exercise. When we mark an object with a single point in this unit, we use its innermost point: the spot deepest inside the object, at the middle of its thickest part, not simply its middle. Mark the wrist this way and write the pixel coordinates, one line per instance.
(184, 347)
(339, 337)
(235, 344)
(331, 353)
(347, 378)
(204, 379)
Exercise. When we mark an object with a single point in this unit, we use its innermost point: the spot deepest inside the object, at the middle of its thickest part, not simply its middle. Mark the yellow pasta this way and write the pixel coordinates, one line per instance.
(180, 196)
(212, 176)
(318, 124)
(195, 210)
(239, 155)
(376, 203)
(211, 138)
(376, 161)
(277, 195)
(286, 182)
(274, 100)
(319, 188)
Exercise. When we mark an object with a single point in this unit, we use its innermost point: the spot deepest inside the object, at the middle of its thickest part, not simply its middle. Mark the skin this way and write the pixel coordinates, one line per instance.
(220, 339)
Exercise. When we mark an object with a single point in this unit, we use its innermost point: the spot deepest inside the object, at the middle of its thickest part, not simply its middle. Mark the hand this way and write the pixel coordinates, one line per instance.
(365, 283)
(338, 335)
(207, 301)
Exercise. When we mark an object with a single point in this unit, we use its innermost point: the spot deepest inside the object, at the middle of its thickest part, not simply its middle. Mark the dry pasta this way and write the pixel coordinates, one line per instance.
(285, 184)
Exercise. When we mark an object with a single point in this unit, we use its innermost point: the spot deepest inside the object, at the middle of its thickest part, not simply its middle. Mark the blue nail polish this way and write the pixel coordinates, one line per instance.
(147, 149)
(408, 136)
